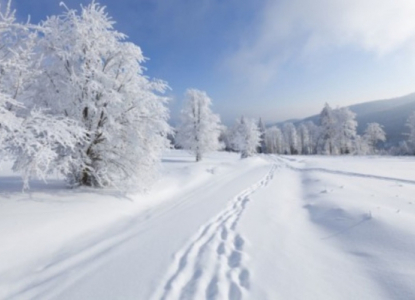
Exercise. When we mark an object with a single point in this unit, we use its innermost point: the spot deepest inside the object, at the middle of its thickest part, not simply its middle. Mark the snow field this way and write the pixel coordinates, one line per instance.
(268, 227)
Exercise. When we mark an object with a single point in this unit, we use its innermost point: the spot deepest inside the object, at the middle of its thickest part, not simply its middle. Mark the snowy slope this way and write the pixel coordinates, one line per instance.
(268, 227)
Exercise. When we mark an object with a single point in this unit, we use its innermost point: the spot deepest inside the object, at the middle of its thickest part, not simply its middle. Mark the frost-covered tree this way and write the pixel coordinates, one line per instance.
(314, 135)
(373, 134)
(246, 137)
(225, 138)
(410, 123)
(200, 128)
(262, 129)
(93, 76)
(345, 129)
(304, 139)
(328, 130)
(32, 138)
(274, 141)
(291, 138)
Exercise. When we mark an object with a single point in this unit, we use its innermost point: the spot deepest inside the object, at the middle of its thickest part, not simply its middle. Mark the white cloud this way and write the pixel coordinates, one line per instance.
(290, 29)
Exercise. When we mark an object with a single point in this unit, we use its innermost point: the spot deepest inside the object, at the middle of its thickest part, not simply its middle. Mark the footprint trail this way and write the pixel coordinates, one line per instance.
(211, 266)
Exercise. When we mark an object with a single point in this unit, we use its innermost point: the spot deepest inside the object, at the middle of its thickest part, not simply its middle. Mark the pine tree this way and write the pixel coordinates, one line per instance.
(199, 129)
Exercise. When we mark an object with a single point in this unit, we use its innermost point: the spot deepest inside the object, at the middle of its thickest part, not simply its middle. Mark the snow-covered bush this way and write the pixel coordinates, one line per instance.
(199, 129)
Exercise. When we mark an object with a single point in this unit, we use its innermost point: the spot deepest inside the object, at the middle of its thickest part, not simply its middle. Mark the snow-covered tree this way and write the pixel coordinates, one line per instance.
(345, 129)
(199, 129)
(410, 123)
(328, 130)
(291, 138)
(314, 135)
(225, 138)
(274, 141)
(262, 129)
(31, 138)
(92, 75)
(304, 139)
(246, 137)
(373, 134)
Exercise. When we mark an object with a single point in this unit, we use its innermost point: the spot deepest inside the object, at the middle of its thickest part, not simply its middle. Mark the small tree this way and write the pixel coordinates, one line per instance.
(373, 134)
(246, 137)
(200, 129)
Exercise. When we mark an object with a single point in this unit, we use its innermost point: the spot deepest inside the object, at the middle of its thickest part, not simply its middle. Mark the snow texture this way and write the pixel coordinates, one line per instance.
(269, 227)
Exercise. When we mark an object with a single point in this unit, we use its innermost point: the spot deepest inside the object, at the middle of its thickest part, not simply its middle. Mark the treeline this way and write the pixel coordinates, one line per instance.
(334, 134)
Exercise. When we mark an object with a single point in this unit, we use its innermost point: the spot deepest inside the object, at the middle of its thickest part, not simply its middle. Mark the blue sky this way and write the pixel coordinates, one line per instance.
(277, 60)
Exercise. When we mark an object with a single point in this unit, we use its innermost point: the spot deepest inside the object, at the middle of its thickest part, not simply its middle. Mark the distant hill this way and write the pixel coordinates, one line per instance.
(391, 113)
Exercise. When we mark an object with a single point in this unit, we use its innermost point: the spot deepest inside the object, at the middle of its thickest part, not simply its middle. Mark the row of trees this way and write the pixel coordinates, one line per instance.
(200, 130)
(336, 133)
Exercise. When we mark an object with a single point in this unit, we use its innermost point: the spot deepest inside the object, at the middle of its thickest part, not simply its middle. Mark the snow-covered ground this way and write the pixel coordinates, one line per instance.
(268, 227)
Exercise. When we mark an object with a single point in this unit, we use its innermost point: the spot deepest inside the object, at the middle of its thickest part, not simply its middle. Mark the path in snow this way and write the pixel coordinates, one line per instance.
(286, 228)
(134, 269)
(214, 256)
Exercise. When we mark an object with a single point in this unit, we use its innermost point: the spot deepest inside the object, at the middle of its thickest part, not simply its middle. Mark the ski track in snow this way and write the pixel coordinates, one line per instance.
(211, 266)
(338, 172)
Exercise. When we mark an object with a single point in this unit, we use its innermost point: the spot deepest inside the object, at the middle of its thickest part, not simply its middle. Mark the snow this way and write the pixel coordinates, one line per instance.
(266, 227)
